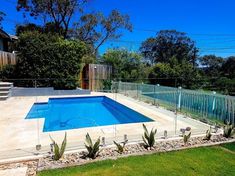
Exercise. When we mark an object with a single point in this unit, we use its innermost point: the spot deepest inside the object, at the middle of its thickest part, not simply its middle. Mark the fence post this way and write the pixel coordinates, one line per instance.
(179, 98)
(213, 104)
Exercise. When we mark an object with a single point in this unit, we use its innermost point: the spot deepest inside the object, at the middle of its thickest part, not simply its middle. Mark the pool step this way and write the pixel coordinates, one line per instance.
(5, 90)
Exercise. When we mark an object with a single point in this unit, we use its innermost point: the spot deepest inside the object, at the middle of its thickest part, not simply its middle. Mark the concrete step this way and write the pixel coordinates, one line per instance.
(4, 88)
(5, 84)
(3, 98)
(4, 93)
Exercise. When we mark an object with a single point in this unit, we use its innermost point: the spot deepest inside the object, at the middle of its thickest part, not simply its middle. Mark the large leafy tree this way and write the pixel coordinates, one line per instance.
(47, 28)
(175, 74)
(59, 12)
(168, 44)
(228, 68)
(49, 56)
(127, 66)
(96, 29)
(211, 65)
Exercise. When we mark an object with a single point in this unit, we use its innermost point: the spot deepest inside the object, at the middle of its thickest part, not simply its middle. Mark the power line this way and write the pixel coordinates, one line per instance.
(195, 34)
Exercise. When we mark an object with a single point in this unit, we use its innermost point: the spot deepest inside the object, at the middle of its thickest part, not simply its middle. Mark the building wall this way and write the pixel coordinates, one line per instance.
(1, 45)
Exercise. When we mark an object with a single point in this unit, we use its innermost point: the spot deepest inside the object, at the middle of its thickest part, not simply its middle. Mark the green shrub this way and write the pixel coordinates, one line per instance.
(121, 146)
(149, 138)
(93, 150)
(59, 151)
(49, 56)
(228, 131)
(186, 138)
(208, 135)
(7, 72)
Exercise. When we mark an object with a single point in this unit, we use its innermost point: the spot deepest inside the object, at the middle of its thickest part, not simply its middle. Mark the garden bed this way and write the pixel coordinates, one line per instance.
(110, 153)
(79, 158)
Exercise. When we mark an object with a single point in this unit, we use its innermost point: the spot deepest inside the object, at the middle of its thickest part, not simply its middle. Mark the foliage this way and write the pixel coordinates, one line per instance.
(149, 138)
(228, 130)
(6, 72)
(107, 84)
(49, 56)
(186, 137)
(208, 135)
(224, 85)
(228, 68)
(121, 146)
(59, 151)
(168, 44)
(211, 64)
(93, 150)
(96, 29)
(59, 11)
(47, 28)
(199, 161)
(187, 76)
(126, 65)
(86, 28)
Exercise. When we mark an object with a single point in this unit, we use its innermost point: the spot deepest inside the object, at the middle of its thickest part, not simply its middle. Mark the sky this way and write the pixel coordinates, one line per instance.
(210, 23)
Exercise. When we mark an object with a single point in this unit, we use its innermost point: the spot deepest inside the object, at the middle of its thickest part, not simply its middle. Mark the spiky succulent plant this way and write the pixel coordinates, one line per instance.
(92, 149)
(59, 151)
(149, 138)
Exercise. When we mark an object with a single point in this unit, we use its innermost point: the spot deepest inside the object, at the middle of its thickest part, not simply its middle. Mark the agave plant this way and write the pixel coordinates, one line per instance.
(228, 130)
(120, 146)
(208, 135)
(149, 138)
(186, 138)
(59, 151)
(93, 150)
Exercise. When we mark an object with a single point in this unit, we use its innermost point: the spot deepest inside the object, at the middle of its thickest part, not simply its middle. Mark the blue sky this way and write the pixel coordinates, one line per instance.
(211, 23)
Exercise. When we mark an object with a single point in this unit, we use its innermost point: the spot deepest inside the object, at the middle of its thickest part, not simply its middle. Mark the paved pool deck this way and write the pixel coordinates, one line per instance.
(19, 136)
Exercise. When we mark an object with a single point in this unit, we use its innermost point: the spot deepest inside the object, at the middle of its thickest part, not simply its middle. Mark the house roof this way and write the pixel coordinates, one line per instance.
(4, 35)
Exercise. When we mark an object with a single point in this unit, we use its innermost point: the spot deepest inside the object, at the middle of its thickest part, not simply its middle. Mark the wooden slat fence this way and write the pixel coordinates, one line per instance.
(7, 58)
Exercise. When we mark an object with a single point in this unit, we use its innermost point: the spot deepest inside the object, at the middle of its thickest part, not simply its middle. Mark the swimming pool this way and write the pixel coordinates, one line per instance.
(81, 112)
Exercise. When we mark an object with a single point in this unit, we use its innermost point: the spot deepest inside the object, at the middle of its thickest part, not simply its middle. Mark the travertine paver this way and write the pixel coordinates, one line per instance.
(14, 172)
(19, 136)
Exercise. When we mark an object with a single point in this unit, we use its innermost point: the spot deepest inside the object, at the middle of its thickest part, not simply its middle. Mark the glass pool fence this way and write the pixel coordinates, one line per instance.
(26, 137)
(206, 106)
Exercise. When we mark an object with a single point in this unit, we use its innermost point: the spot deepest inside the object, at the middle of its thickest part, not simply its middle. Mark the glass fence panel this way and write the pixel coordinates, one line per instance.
(33, 114)
(197, 104)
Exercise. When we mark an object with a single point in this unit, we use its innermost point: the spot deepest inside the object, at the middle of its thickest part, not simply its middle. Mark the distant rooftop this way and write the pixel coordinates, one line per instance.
(5, 35)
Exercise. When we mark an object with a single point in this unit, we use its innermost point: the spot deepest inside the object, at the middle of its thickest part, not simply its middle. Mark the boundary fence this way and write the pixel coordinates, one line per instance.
(7, 58)
(199, 104)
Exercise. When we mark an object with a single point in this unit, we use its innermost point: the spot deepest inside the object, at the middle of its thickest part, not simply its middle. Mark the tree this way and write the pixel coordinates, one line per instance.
(211, 64)
(59, 11)
(86, 28)
(96, 29)
(225, 85)
(49, 56)
(28, 27)
(127, 66)
(47, 28)
(175, 74)
(168, 44)
(228, 67)
(2, 14)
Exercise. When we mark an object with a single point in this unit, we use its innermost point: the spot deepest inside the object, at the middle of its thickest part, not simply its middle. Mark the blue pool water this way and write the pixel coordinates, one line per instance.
(72, 113)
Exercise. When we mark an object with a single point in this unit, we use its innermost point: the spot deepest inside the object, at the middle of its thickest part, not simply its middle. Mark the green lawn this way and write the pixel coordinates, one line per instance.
(230, 147)
(206, 161)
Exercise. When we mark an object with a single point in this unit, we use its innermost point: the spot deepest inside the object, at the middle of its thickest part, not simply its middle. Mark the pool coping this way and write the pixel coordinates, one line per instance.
(119, 99)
